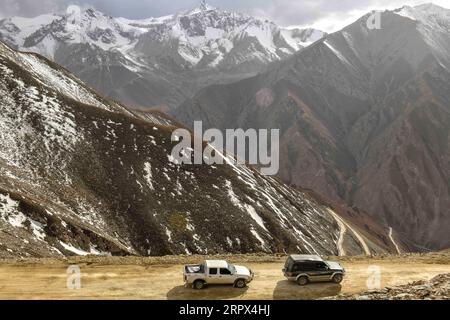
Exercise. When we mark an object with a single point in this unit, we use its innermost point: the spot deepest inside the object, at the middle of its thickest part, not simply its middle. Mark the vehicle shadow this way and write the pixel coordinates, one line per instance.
(211, 292)
(290, 290)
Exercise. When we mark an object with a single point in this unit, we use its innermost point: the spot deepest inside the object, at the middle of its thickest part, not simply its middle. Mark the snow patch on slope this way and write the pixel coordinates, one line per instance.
(246, 207)
(10, 213)
(148, 175)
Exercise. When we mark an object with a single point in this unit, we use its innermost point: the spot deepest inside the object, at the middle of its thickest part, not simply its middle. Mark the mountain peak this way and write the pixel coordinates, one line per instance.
(429, 14)
(203, 7)
(425, 8)
(430, 7)
(88, 10)
(84, 14)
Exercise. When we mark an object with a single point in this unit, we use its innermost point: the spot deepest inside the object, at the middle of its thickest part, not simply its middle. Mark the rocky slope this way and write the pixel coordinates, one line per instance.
(80, 174)
(437, 288)
(364, 115)
(151, 62)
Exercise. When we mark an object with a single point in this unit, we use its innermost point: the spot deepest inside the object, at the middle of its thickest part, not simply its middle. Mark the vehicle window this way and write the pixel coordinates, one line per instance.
(224, 271)
(296, 267)
(307, 266)
(213, 271)
(321, 266)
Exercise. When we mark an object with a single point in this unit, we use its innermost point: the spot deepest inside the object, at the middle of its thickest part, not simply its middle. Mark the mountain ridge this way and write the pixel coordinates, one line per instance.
(82, 175)
(362, 112)
(150, 62)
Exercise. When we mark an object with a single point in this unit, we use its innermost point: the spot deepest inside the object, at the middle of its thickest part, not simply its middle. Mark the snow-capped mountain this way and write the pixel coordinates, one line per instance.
(209, 37)
(433, 23)
(429, 15)
(152, 62)
(80, 174)
(44, 33)
(364, 116)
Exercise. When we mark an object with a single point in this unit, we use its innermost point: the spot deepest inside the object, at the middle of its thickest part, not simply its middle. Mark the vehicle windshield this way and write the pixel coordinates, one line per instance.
(289, 263)
(231, 268)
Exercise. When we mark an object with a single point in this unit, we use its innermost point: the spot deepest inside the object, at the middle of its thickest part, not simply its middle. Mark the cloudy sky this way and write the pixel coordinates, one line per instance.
(328, 15)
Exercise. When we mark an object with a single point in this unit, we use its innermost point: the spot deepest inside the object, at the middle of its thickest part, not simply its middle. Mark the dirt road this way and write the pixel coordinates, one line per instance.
(343, 226)
(342, 231)
(393, 241)
(36, 280)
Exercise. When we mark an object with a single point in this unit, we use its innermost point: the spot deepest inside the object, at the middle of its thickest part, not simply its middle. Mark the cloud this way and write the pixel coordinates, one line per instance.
(328, 15)
(29, 8)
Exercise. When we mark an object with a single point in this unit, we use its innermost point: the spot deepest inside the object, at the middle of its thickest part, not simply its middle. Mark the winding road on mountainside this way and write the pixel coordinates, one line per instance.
(343, 226)
(393, 241)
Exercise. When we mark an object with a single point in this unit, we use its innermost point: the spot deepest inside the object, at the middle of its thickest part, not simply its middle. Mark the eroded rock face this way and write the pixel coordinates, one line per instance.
(364, 116)
(437, 288)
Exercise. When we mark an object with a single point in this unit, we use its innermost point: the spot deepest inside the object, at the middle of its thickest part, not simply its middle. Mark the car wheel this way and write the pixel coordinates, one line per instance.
(240, 283)
(337, 278)
(302, 281)
(199, 284)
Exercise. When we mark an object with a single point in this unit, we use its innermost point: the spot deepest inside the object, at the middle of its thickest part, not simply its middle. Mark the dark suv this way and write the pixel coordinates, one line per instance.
(310, 268)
